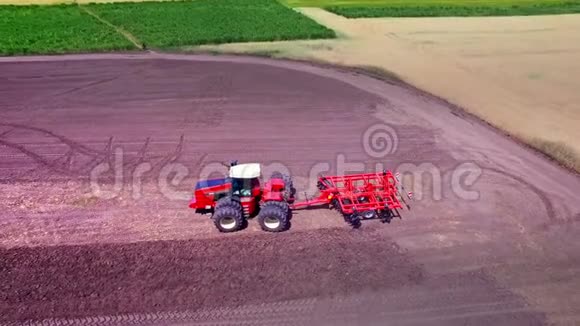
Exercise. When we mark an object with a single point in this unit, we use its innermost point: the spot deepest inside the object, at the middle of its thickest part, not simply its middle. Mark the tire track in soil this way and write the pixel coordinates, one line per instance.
(547, 203)
(63, 163)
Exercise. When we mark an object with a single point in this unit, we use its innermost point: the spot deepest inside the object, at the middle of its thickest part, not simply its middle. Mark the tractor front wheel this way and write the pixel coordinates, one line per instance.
(228, 219)
(274, 217)
(229, 201)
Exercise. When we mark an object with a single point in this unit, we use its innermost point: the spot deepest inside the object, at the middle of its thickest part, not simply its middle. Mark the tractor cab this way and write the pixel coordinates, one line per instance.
(241, 184)
(245, 179)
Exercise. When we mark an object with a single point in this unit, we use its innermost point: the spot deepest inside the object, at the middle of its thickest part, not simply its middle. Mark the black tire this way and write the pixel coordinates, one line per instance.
(287, 209)
(228, 219)
(283, 205)
(354, 220)
(336, 205)
(274, 217)
(228, 201)
(386, 216)
(368, 215)
(289, 190)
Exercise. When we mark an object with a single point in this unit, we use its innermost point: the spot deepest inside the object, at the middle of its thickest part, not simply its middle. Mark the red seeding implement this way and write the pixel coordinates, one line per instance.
(240, 196)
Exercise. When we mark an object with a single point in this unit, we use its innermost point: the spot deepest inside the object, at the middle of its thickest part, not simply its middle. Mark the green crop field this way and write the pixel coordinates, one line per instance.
(69, 28)
(413, 3)
(526, 9)
(437, 8)
(164, 24)
(54, 29)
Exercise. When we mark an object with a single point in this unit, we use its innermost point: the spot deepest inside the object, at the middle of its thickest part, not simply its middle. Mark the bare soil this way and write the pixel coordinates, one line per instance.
(507, 257)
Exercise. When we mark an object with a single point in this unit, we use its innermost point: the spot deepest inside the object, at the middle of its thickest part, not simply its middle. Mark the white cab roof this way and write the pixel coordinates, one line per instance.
(245, 171)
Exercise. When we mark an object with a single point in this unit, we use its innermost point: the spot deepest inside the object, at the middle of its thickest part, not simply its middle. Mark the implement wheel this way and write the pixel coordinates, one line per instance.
(353, 219)
(228, 219)
(335, 204)
(367, 215)
(274, 217)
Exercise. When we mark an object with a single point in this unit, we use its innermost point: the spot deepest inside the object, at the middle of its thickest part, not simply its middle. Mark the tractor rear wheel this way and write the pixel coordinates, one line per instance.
(289, 190)
(280, 204)
(274, 217)
(284, 207)
(228, 219)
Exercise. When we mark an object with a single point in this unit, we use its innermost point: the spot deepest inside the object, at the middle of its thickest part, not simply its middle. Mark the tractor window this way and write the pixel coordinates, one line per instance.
(242, 187)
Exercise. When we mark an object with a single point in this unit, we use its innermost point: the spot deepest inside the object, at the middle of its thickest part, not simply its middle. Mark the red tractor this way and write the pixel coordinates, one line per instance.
(234, 199)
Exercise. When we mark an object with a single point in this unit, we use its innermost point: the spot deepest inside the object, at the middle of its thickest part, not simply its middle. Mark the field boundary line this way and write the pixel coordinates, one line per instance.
(130, 37)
